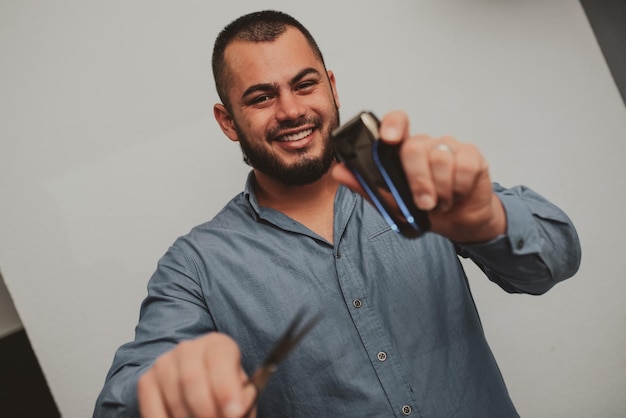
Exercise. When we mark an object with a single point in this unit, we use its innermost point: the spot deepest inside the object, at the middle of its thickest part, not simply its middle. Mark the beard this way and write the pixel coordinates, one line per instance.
(306, 170)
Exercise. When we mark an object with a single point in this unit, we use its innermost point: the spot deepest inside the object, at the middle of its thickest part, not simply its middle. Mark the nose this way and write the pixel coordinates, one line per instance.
(289, 107)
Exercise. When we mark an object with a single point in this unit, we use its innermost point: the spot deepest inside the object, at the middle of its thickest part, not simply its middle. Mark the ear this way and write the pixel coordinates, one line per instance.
(225, 120)
(331, 79)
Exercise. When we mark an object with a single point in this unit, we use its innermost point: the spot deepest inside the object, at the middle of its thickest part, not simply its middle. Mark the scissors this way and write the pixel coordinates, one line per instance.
(297, 329)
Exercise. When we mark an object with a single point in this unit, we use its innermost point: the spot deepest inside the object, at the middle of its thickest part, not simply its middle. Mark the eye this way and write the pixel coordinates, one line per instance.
(305, 85)
(261, 99)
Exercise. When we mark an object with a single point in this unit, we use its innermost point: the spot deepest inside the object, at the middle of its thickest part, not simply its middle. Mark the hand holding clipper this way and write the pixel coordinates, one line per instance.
(377, 167)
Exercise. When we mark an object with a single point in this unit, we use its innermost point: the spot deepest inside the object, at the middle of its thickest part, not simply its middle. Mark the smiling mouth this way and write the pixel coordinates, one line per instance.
(295, 136)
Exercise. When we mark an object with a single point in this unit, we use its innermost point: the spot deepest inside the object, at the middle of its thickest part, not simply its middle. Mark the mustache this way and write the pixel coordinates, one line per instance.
(316, 121)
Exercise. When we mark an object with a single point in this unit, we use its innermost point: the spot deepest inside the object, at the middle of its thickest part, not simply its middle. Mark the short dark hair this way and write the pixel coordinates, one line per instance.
(262, 26)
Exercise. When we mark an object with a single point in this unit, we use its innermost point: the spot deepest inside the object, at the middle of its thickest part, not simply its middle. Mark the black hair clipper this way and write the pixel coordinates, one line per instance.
(377, 167)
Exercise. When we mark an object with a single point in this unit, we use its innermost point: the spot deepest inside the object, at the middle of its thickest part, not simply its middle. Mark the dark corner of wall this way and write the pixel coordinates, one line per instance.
(24, 392)
(608, 21)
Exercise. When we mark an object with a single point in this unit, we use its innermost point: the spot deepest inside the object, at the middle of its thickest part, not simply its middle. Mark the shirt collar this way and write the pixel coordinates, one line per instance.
(345, 201)
(249, 194)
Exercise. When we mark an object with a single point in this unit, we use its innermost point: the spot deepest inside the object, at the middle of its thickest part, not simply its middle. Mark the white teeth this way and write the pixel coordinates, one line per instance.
(296, 136)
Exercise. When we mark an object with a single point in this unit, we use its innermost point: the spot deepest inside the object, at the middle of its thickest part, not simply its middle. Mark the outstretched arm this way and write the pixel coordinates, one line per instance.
(177, 365)
(522, 242)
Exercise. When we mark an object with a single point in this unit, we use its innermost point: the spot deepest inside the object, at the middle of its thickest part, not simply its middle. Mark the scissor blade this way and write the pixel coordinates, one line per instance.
(296, 331)
(287, 342)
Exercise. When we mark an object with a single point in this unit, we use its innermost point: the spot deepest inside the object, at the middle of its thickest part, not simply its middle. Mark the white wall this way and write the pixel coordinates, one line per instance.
(109, 152)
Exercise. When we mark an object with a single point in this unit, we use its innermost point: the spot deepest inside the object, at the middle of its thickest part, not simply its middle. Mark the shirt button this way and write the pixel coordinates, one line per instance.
(406, 410)
(338, 255)
(382, 356)
(519, 244)
(357, 303)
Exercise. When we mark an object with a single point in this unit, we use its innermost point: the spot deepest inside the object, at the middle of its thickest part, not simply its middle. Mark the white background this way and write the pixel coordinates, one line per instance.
(109, 152)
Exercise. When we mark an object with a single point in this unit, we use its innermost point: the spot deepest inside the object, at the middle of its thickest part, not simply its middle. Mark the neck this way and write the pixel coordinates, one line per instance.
(311, 204)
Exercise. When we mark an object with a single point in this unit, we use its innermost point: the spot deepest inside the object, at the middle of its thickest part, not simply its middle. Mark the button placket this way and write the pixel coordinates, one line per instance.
(371, 333)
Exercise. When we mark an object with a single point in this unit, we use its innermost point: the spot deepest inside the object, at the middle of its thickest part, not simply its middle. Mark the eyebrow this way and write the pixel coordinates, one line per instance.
(273, 86)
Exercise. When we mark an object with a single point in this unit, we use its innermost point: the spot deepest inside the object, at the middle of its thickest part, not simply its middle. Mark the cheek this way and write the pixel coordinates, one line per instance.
(256, 119)
(247, 122)
(255, 127)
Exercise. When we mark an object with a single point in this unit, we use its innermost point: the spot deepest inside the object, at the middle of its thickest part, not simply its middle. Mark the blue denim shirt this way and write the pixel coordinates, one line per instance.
(400, 335)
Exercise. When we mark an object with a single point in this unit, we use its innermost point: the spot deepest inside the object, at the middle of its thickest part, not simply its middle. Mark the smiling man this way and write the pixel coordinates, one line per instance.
(290, 111)
(399, 335)
(281, 105)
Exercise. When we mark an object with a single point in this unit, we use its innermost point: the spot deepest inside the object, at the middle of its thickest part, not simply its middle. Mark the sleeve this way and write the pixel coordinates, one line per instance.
(174, 310)
(540, 248)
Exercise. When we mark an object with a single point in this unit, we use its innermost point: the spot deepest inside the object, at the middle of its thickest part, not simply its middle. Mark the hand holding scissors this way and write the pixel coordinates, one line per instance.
(203, 377)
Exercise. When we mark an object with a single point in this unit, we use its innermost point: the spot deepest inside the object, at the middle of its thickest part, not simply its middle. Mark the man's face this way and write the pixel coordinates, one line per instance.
(284, 107)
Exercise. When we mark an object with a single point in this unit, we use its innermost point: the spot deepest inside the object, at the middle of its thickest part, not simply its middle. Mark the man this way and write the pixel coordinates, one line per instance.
(400, 335)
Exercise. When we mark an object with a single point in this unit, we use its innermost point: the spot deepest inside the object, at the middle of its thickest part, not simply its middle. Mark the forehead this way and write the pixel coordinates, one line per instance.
(273, 62)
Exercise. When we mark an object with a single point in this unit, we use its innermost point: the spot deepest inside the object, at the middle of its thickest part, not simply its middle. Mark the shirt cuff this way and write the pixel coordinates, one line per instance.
(522, 236)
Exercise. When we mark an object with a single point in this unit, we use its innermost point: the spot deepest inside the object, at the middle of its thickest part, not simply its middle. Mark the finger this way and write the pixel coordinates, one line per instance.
(394, 127)
(151, 403)
(166, 375)
(250, 397)
(249, 394)
(470, 164)
(414, 155)
(253, 413)
(225, 377)
(442, 165)
(343, 175)
(193, 379)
